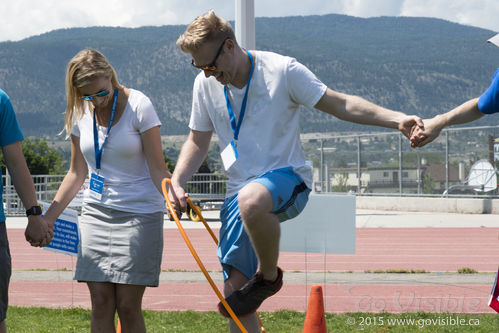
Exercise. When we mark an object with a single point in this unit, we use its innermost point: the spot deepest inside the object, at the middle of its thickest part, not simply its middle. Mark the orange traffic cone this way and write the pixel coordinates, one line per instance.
(315, 320)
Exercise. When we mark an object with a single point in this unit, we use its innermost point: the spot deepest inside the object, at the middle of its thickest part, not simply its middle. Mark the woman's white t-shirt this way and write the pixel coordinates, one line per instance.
(128, 185)
(269, 137)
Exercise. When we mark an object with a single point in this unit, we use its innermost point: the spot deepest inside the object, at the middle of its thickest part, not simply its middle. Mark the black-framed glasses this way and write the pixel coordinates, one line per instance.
(211, 66)
(91, 97)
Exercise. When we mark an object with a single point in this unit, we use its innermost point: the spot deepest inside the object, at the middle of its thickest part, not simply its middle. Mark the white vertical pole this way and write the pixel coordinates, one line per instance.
(245, 23)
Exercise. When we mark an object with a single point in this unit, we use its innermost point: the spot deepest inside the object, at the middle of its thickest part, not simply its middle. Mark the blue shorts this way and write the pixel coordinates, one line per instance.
(289, 196)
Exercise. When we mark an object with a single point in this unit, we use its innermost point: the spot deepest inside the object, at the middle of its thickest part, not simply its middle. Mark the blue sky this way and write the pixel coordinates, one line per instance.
(25, 18)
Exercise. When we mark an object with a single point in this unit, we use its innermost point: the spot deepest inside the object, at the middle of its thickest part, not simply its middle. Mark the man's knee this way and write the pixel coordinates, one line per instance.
(254, 199)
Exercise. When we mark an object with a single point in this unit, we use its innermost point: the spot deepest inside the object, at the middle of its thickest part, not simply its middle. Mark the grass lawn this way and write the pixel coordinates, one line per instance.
(45, 320)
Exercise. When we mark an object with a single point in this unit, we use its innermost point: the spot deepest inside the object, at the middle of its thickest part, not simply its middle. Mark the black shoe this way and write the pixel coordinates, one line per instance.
(247, 299)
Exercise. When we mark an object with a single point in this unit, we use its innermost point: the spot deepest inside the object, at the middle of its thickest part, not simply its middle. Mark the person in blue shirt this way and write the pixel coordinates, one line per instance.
(37, 231)
(473, 109)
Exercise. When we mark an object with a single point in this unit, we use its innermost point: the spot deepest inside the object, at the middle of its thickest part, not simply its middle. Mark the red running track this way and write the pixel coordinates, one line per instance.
(431, 249)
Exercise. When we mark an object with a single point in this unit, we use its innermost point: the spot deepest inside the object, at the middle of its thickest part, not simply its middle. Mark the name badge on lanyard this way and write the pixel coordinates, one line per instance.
(229, 154)
(96, 181)
(96, 186)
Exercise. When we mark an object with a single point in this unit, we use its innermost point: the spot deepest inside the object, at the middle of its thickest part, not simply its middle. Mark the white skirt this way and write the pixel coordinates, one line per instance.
(119, 247)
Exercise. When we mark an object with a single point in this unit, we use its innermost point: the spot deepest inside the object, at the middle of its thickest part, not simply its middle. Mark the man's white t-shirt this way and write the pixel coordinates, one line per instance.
(269, 137)
(128, 185)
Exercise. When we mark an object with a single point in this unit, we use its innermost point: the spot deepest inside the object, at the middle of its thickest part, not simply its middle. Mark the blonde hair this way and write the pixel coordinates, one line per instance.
(204, 28)
(86, 66)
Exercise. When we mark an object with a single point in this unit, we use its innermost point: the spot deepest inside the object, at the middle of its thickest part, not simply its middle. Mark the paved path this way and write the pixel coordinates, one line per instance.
(437, 243)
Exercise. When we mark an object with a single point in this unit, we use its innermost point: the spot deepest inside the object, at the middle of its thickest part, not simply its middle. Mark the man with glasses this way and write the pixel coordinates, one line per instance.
(251, 99)
(473, 109)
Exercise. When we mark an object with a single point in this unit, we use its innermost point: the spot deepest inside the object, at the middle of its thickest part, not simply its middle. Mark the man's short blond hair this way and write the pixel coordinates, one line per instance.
(205, 28)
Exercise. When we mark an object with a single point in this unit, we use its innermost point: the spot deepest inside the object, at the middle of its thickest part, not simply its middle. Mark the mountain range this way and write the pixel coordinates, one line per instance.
(421, 66)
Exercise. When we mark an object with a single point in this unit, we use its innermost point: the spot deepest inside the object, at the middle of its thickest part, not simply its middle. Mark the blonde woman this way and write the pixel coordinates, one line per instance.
(115, 139)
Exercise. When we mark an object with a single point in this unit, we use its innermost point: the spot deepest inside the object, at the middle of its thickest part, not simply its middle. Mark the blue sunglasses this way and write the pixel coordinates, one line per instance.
(91, 97)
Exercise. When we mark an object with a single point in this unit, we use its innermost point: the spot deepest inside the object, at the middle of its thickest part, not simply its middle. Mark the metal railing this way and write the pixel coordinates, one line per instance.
(45, 186)
(355, 163)
(201, 187)
(206, 186)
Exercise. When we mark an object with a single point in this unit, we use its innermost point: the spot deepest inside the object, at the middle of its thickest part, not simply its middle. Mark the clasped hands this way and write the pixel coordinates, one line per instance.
(38, 232)
(419, 132)
(422, 135)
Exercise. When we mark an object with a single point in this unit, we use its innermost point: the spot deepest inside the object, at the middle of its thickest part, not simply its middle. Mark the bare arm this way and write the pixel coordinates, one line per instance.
(193, 153)
(19, 171)
(358, 110)
(151, 143)
(464, 113)
(37, 231)
(71, 184)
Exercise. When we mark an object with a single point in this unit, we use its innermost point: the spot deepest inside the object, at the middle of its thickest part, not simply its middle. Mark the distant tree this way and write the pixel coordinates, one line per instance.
(342, 164)
(342, 185)
(41, 159)
(169, 164)
(204, 168)
(428, 185)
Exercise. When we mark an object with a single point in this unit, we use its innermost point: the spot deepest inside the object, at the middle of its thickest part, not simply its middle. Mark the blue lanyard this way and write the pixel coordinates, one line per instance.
(98, 151)
(237, 127)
